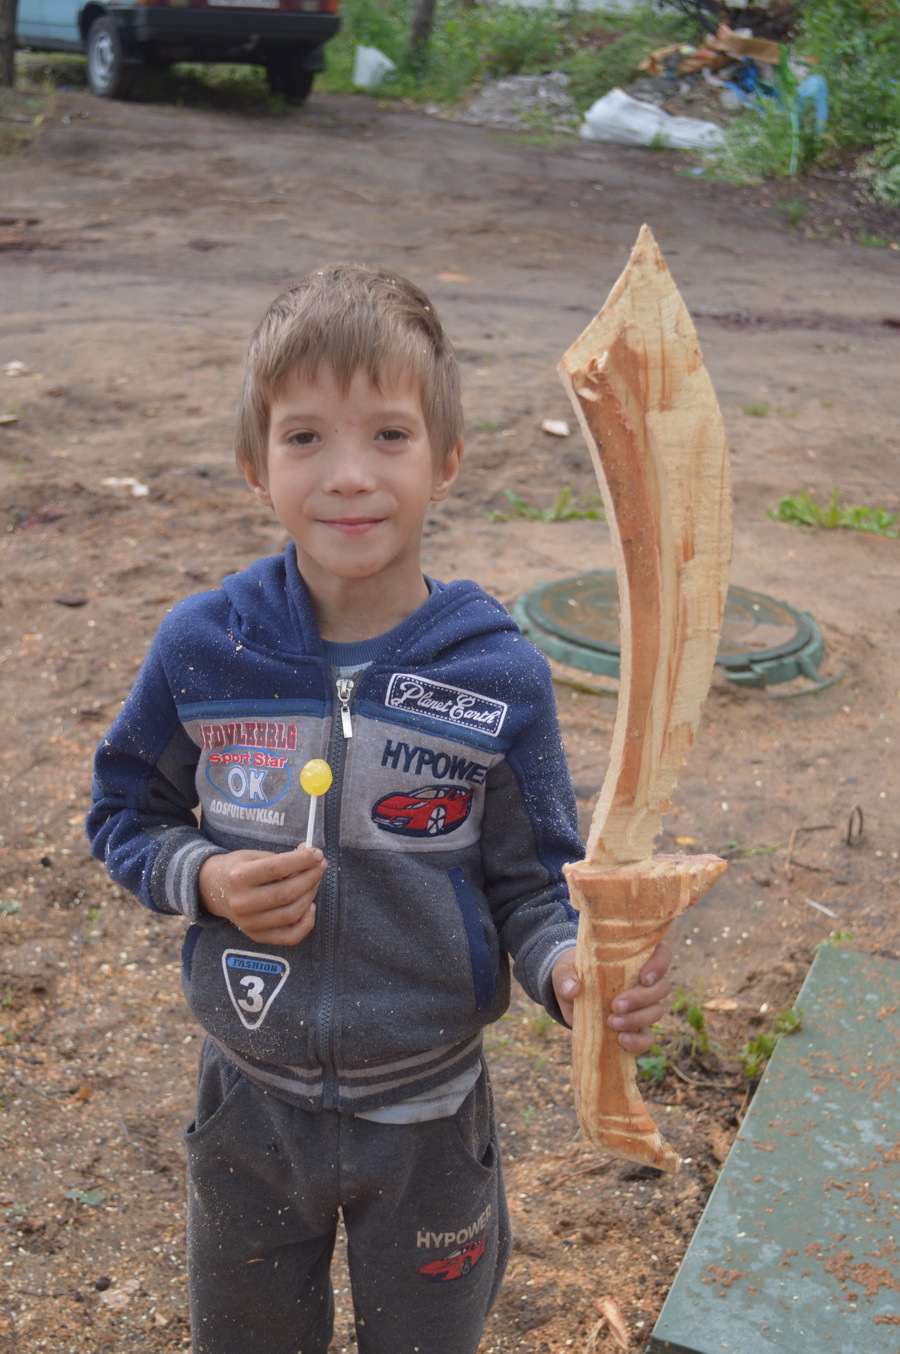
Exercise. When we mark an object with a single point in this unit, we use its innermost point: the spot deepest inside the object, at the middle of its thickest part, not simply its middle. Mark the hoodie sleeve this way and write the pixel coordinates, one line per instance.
(529, 833)
(142, 822)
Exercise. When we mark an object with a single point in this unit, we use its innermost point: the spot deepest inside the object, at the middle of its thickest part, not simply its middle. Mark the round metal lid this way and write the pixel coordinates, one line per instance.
(576, 621)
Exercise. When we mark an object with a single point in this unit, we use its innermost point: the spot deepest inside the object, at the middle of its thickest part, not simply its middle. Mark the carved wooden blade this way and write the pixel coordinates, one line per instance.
(649, 414)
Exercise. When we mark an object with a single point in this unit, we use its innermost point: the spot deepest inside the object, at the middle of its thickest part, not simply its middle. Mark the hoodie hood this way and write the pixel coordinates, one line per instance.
(271, 611)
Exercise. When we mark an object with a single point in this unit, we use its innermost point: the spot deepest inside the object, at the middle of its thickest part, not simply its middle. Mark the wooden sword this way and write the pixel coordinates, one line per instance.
(648, 411)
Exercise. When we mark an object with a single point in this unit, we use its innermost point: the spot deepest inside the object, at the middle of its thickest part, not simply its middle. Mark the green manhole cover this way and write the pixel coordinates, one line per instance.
(576, 621)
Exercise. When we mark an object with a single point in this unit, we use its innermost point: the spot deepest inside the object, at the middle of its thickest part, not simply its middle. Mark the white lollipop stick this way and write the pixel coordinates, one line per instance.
(315, 779)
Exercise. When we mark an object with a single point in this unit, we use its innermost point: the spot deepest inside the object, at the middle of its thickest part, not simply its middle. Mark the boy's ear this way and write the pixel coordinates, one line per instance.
(443, 480)
(255, 483)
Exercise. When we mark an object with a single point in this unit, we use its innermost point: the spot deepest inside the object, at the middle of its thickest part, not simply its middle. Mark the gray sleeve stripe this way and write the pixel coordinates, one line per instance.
(181, 876)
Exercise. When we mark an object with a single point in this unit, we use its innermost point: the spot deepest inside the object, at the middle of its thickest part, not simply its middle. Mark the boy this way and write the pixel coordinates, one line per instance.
(345, 986)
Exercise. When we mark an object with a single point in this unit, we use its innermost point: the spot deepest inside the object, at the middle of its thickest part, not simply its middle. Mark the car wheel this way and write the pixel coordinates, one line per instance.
(107, 74)
(466, 1265)
(436, 821)
(287, 79)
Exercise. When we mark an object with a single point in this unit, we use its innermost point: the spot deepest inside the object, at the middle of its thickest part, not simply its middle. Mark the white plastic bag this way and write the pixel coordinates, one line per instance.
(629, 122)
(370, 67)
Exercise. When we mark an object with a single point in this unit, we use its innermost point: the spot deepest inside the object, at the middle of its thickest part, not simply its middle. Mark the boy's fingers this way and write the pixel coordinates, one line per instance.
(657, 965)
(637, 1020)
(272, 867)
(285, 932)
(638, 998)
(637, 1044)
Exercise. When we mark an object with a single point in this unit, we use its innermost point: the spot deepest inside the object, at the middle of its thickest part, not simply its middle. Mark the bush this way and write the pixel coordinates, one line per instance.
(594, 70)
(880, 171)
(855, 45)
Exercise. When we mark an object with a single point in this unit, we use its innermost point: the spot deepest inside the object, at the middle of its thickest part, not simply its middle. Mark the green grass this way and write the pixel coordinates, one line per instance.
(803, 510)
(562, 509)
(473, 43)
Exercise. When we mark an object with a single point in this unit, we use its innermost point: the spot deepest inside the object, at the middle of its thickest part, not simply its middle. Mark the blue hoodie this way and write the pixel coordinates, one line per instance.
(448, 822)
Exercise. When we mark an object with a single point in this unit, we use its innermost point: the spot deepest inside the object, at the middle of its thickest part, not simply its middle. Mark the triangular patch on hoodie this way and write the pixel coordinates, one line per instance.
(253, 981)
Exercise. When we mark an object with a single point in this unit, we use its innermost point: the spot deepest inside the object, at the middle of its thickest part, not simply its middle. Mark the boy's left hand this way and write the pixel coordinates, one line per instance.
(633, 1011)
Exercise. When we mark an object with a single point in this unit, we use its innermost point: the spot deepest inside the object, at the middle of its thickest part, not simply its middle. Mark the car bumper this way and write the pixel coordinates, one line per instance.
(220, 28)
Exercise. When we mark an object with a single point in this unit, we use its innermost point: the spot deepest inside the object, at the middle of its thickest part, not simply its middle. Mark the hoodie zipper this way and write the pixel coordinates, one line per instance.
(341, 733)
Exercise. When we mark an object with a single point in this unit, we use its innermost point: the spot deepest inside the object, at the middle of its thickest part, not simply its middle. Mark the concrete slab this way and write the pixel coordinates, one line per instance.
(799, 1246)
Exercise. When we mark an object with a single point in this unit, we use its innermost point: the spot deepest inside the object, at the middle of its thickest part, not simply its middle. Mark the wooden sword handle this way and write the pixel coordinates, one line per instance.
(625, 911)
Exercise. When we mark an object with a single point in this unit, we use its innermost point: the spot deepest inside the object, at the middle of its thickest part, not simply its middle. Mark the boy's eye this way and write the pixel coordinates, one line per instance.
(303, 438)
(392, 435)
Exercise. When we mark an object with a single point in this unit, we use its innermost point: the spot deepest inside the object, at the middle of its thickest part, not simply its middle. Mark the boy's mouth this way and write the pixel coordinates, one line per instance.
(351, 526)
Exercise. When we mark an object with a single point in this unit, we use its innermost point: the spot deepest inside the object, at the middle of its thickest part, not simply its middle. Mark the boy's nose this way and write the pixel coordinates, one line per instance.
(349, 472)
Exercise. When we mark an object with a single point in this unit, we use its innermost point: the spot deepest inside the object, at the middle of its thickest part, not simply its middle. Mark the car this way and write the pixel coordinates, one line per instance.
(432, 811)
(457, 1264)
(287, 37)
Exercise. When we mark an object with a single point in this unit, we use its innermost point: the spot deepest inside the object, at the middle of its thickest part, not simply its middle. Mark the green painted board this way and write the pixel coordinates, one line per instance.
(798, 1249)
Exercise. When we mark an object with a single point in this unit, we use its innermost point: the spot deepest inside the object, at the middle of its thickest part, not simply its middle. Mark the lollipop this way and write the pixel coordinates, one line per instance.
(315, 778)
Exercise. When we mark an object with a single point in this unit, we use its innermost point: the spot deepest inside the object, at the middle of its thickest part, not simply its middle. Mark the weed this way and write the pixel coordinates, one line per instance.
(89, 1197)
(835, 939)
(9, 906)
(803, 510)
(562, 509)
(697, 1043)
(873, 241)
(654, 1065)
(760, 849)
(488, 425)
(757, 1052)
(541, 1021)
(23, 112)
(756, 410)
(795, 210)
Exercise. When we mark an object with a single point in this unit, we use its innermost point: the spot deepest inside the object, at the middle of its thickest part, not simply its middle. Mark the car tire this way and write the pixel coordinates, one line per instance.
(107, 74)
(435, 825)
(288, 79)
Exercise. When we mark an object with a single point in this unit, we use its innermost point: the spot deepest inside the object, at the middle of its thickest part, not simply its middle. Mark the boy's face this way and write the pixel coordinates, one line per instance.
(350, 477)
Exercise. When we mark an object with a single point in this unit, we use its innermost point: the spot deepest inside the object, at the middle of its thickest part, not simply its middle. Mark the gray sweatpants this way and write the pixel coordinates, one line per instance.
(423, 1205)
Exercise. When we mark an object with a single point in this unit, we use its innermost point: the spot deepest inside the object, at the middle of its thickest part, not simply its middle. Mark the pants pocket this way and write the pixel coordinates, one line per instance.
(473, 1124)
(217, 1082)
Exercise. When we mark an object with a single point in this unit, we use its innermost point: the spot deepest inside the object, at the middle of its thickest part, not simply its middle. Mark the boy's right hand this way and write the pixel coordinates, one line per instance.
(269, 895)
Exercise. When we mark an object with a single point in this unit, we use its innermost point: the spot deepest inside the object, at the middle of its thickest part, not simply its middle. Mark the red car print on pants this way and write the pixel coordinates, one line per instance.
(457, 1264)
(432, 811)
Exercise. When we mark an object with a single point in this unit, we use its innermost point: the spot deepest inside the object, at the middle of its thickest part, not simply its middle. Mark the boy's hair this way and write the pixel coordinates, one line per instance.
(349, 318)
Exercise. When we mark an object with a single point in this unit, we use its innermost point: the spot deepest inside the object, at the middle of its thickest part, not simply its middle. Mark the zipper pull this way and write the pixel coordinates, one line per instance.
(345, 691)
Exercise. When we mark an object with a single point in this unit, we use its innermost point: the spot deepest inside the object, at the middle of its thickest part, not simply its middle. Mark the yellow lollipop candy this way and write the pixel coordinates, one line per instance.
(315, 779)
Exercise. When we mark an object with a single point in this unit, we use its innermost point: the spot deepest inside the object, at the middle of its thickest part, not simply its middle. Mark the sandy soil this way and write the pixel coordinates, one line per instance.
(140, 243)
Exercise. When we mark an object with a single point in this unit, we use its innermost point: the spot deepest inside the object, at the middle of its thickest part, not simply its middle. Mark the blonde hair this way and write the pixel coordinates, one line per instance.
(349, 318)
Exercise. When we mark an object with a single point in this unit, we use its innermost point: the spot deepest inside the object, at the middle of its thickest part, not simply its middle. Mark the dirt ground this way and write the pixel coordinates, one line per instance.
(138, 244)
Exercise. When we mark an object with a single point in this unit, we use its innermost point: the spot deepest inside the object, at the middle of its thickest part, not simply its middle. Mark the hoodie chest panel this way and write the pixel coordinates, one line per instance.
(248, 775)
(411, 788)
